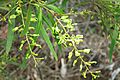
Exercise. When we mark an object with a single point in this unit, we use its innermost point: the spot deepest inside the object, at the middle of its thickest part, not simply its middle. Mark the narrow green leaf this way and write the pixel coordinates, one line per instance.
(10, 35)
(39, 23)
(4, 8)
(47, 21)
(113, 42)
(23, 65)
(27, 23)
(52, 1)
(11, 25)
(50, 25)
(44, 34)
(59, 48)
(112, 45)
(51, 18)
(56, 9)
(39, 20)
(63, 5)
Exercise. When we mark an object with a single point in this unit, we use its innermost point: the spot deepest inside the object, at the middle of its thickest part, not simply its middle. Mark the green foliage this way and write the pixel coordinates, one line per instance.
(26, 23)
(109, 14)
(35, 19)
(11, 25)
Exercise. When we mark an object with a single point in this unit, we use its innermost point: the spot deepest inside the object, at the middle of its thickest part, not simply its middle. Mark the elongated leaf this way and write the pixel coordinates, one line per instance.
(44, 34)
(113, 42)
(27, 23)
(47, 21)
(23, 65)
(39, 15)
(49, 24)
(52, 1)
(50, 16)
(63, 5)
(56, 9)
(4, 8)
(112, 45)
(10, 34)
(39, 20)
